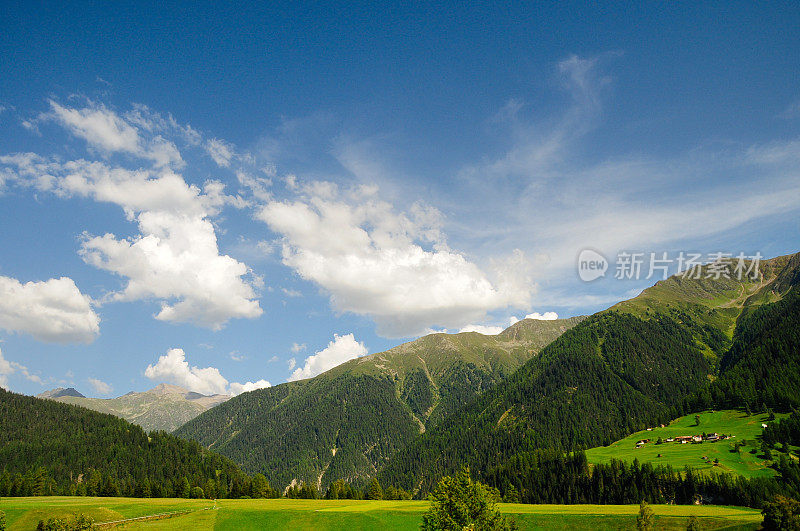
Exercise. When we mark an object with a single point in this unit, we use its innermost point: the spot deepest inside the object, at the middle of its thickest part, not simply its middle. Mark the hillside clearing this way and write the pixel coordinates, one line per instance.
(738, 425)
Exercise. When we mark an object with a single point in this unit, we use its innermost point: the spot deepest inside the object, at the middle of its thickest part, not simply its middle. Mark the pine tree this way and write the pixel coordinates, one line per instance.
(185, 488)
(374, 491)
(644, 522)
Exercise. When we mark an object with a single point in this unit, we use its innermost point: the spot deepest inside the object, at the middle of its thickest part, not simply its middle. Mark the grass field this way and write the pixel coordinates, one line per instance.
(743, 426)
(24, 514)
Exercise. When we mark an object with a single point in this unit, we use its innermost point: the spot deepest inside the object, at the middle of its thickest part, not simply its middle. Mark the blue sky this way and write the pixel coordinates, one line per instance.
(222, 196)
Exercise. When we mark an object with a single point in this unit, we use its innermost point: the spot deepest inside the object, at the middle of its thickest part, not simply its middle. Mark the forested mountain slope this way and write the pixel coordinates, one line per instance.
(347, 422)
(47, 447)
(637, 364)
(762, 368)
(165, 407)
(610, 375)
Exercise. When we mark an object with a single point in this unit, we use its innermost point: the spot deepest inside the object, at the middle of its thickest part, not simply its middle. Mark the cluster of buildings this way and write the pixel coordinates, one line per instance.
(687, 439)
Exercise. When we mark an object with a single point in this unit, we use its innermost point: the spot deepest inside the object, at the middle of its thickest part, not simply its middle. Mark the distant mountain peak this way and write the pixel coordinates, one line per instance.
(168, 389)
(58, 392)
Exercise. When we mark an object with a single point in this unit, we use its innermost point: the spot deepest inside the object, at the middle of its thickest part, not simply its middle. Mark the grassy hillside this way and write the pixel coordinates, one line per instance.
(711, 307)
(347, 422)
(165, 407)
(24, 513)
(701, 457)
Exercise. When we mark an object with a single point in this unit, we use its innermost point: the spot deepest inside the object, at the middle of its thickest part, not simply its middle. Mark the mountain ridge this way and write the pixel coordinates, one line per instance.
(635, 365)
(326, 428)
(165, 407)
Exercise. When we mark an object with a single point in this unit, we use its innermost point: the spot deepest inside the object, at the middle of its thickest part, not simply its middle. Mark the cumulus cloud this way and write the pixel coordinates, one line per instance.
(482, 329)
(394, 267)
(298, 347)
(292, 362)
(175, 258)
(173, 368)
(237, 388)
(338, 351)
(54, 311)
(8, 368)
(546, 316)
(108, 132)
(100, 386)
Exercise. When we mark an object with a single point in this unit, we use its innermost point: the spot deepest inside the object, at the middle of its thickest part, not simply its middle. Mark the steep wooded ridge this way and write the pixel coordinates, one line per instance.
(165, 407)
(637, 364)
(47, 447)
(348, 422)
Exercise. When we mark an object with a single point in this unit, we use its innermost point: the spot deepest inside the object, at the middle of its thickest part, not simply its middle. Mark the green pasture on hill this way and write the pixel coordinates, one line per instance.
(24, 514)
(698, 456)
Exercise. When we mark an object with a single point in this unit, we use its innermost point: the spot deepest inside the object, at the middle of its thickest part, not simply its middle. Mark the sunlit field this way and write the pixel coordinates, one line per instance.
(701, 457)
(25, 513)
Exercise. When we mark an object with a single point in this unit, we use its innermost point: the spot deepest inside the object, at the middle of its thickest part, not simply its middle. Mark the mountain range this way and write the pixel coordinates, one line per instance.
(422, 410)
(416, 412)
(165, 407)
(346, 423)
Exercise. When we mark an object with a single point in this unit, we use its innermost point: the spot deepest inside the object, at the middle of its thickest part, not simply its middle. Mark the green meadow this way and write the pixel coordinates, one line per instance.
(24, 514)
(741, 426)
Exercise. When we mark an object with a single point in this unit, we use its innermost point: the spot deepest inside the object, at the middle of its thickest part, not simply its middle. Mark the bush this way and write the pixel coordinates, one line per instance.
(74, 523)
(459, 503)
(782, 514)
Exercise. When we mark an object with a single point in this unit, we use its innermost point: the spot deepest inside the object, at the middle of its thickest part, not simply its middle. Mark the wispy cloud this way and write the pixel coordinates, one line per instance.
(100, 386)
(7, 368)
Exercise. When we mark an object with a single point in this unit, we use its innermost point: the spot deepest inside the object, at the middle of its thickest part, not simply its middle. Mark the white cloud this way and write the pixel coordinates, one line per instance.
(8, 368)
(222, 152)
(110, 133)
(292, 293)
(236, 356)
(237, 388)
(173, 368)
(175, 258)
(394, 267)
(54, 311)
(292, 362)
(546, 316)
(298, 347)
(100, 386)
(482, 329)
(338, 351)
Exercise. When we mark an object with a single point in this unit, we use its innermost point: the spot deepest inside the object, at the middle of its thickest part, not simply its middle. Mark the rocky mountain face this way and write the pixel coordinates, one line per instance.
(165, 407)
